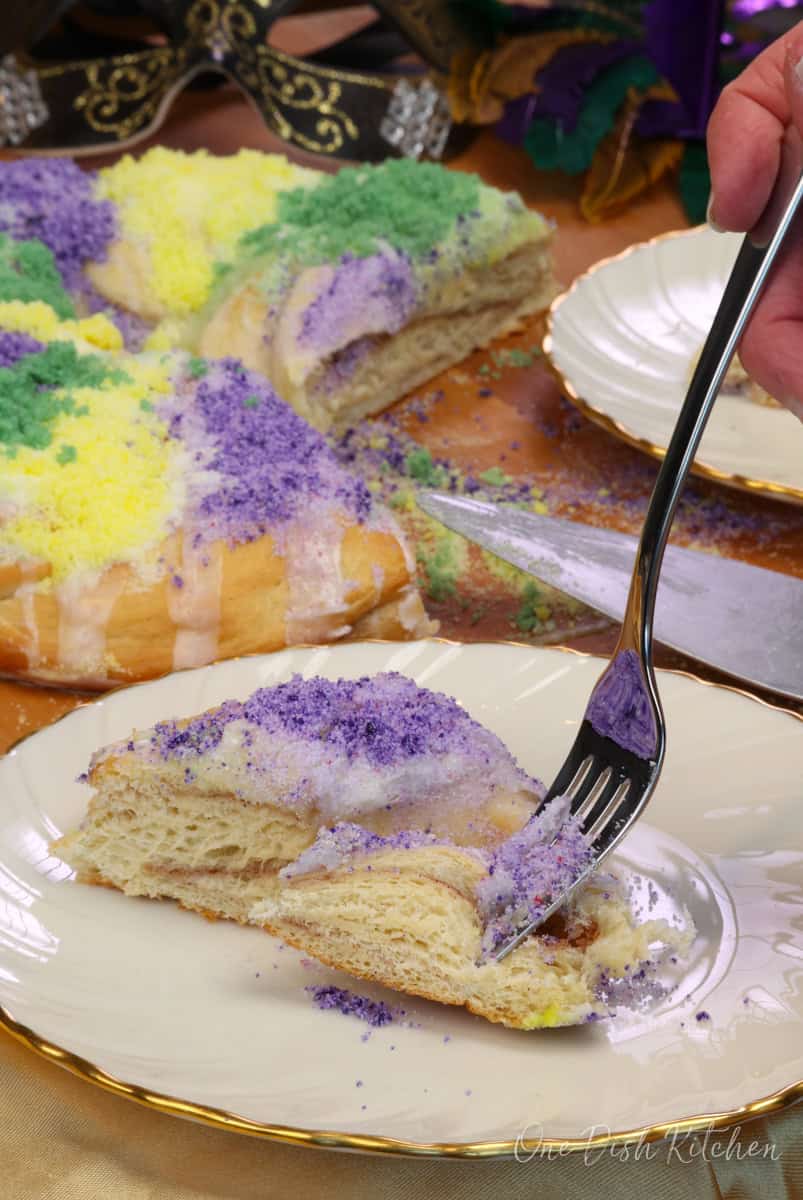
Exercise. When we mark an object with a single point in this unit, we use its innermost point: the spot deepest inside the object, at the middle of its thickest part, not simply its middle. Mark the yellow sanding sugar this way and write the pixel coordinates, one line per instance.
(546, 1019)
(191, 210)
(167, 335)
(104, 489)
(42, 322)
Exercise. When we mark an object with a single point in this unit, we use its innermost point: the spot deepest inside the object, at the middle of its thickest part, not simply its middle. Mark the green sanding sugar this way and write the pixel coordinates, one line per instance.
(66, 454)
(513, 358)
(533, 612)
(495, 476)
(28, 272)
(419, 465)
(251, 401)
(197, 367)
(443, 556)
(37, 388)
(412, 206)
(513, 577)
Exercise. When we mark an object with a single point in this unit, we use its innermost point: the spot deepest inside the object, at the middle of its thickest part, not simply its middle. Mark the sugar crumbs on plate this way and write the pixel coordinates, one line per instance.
(373, 1012)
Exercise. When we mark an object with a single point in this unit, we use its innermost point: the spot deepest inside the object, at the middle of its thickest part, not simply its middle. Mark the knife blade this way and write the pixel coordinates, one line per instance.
(742, 619)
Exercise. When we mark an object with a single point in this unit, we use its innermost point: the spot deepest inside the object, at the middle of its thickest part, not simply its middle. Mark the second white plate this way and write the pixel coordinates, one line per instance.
(623, 340)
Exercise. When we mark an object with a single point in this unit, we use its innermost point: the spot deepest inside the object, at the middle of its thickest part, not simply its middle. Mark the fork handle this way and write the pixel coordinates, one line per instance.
(739, 298)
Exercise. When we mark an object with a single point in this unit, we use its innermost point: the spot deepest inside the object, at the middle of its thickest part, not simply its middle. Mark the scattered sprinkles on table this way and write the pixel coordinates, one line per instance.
(471, 591)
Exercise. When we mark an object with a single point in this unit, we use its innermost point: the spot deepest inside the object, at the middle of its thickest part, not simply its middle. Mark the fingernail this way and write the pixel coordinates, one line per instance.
(794, 56)
(797, 66)
(709, 218)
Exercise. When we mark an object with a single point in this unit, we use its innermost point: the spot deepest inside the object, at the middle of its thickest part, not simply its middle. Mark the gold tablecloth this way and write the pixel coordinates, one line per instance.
(61, 1139)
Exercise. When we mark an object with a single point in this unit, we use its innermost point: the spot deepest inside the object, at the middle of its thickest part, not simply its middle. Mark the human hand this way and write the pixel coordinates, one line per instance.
(755, 136)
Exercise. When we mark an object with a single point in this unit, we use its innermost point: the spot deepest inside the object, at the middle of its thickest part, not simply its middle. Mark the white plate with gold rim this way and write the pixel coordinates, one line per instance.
(623, 341)
(212, 1019)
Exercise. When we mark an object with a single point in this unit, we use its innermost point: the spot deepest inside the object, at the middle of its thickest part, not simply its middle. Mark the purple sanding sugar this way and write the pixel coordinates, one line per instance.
(530, 869)
(620, 707)
(374, 1012)
(14, 346)
(384, 722)
(702, 1015)
(343, 363)
(638, 989)
(269, 462)
(336, 844)
(53, 200)
(366, 295)
(199, 736)
(385, 719)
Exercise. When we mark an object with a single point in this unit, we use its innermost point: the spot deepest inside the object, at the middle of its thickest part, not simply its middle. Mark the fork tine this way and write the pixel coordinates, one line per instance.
(572, 773)
(587, 803)
(616, 795)
(613, 792)
(619, 817)
(589, 786)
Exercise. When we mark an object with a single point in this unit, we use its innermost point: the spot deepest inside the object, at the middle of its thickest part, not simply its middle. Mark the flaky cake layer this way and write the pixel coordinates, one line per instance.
(374, 824)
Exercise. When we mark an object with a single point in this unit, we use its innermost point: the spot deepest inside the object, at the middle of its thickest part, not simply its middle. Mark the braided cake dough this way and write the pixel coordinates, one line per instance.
(159, 511)
(373, 824)
(345, 291)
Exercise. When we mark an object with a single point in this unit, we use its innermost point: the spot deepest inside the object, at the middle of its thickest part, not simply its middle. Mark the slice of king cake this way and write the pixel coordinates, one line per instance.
(372, 823)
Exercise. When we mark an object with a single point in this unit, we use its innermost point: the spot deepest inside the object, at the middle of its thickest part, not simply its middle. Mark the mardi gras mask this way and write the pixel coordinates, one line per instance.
(343, 102)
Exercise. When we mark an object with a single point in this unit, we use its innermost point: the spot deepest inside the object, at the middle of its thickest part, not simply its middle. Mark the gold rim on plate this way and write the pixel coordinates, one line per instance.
(755, 487)
(326, 1139)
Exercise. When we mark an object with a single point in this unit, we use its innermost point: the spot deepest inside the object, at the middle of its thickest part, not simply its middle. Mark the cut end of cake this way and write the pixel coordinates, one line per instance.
(411, 921)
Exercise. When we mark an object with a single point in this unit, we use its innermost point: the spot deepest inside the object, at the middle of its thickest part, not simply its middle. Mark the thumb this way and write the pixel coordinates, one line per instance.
(791, 158)
(793, 75)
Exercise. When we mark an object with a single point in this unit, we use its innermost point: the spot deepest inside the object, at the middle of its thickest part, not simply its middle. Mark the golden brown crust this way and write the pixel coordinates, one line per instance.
(140, 629)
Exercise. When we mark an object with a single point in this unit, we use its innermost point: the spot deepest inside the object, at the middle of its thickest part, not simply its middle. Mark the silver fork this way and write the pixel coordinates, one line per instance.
(614, 764)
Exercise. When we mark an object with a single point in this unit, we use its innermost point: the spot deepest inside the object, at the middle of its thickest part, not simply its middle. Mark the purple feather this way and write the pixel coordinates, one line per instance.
(516, 119)
(683, 41)
(563, 81)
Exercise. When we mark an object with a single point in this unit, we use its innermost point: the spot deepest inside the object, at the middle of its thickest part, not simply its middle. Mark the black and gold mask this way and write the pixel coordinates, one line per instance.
(75, 91)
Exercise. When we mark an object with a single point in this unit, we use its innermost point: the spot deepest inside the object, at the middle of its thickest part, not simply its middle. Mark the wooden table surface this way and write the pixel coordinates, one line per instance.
(520, 420)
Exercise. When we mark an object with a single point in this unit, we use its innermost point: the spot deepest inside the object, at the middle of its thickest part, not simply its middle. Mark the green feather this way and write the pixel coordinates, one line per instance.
(695, 182)
(552, 149)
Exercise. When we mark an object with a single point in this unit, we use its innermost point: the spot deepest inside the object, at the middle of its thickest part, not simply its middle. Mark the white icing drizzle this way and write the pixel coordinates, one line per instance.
(194, 607)
(85, 605)
(26, 593)
(409, 609)
(316, 587)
